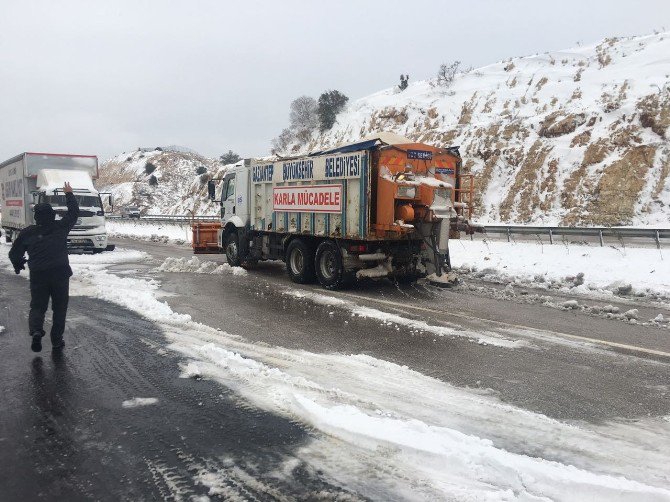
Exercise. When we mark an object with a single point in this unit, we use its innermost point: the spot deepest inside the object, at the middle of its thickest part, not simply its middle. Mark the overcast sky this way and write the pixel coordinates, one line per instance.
(106, 77)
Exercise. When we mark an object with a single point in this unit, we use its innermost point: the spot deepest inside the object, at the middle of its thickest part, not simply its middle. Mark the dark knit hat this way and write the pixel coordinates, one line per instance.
(44, 214)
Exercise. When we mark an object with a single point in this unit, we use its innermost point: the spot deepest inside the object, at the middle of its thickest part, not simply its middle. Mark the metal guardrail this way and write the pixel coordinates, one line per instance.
(165, 218)
(656, 234)
(601, 232)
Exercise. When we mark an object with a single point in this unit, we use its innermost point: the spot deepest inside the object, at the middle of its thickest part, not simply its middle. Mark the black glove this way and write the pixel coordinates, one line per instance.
(21, 266)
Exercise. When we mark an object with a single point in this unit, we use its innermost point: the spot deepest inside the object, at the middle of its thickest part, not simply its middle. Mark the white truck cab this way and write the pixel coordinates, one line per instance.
(31, 178)
(89, 233)
(235, 197)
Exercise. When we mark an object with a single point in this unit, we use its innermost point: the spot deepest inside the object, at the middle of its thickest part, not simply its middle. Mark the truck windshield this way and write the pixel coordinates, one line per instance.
(82, 200)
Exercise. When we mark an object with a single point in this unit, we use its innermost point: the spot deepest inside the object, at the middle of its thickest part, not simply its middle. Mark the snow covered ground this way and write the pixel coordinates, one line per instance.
(580, 269)
(635, 270)
(150, 231)
(384, 428)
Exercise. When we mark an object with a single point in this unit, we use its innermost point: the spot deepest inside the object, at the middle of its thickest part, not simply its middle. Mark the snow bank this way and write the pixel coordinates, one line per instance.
(455, 460)
(578, 268)
(176, 233)
(196, 266)
(415, 326)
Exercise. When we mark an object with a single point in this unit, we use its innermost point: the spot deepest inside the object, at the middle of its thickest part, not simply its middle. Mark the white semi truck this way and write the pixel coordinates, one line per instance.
(31, 178)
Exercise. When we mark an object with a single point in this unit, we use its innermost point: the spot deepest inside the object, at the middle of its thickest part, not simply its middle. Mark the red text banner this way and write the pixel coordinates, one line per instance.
(308, 199)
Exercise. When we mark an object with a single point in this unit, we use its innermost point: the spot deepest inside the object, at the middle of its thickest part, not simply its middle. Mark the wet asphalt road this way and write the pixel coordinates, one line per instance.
(560, 377)
(65, 435)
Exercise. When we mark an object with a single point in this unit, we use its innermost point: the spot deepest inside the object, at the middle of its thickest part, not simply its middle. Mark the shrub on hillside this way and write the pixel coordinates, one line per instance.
(330, 104)
(446, 74)
(404, 82)
(149, 168)
(153, 181)
(201, 170)
(230, 157)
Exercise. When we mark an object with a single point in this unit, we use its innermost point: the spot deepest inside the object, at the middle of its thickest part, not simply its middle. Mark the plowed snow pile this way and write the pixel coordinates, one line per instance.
(585, 269)
(196, 266)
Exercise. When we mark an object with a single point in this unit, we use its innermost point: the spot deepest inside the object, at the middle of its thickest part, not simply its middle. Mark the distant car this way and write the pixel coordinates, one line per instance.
(130, 212)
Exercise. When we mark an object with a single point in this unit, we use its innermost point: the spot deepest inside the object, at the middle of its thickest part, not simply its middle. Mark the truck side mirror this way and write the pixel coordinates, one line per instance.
(211, 189)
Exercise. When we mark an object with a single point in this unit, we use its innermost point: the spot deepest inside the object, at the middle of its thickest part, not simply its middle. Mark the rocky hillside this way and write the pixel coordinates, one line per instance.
(572, 137)
(165, 180)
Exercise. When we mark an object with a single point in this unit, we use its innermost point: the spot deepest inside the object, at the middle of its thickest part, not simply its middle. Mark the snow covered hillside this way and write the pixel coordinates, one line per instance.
(572, 137)
(577, 137)
(168, 180)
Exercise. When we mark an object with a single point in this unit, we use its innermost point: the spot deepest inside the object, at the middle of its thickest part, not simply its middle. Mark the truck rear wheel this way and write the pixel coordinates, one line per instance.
(233, 250)
(329, 267)
(300, 262)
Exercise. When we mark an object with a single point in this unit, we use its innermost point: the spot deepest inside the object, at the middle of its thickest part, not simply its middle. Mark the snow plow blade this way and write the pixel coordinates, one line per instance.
(205, 237)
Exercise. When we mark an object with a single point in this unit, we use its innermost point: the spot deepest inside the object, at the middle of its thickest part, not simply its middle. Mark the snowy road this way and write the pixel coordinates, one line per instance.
(294, 393)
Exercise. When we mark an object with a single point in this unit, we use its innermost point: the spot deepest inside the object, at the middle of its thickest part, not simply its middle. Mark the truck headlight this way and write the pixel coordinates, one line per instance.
(408, 192)
(99, 238)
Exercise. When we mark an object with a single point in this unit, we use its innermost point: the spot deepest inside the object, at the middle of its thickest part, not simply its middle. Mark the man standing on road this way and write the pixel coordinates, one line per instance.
(50, 272)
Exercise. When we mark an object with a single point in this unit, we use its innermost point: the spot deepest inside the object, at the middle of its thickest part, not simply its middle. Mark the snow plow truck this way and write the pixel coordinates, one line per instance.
(381, 207)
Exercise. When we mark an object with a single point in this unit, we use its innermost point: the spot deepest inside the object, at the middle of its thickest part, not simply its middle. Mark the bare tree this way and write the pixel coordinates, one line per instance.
(303, 115)
(446, 74)
(281, 143)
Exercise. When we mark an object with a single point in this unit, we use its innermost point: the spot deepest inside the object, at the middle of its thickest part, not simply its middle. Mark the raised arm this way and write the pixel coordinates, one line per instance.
(70, 218)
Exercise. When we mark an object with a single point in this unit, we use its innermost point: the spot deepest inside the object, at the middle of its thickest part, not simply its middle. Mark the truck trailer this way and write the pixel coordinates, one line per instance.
(31, 178)
(382, 207)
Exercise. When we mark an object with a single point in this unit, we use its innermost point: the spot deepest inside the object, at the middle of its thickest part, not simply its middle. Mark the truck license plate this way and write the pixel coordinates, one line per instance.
(78, 241)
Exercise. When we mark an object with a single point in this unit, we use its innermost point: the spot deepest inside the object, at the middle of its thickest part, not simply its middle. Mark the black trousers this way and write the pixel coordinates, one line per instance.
(41, 289)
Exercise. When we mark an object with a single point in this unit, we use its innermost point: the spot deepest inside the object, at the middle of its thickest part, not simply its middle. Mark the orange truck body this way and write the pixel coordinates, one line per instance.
(444, 165)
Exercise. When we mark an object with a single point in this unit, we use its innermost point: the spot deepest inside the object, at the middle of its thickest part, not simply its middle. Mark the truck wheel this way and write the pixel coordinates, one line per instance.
(329, 267)
(233, 250)
(300, 262)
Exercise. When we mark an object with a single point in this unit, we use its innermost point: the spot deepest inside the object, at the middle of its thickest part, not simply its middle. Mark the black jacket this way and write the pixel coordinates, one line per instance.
(46, 244)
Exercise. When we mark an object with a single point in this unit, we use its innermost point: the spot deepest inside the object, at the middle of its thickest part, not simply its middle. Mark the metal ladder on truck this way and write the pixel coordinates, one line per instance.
(465, 195)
